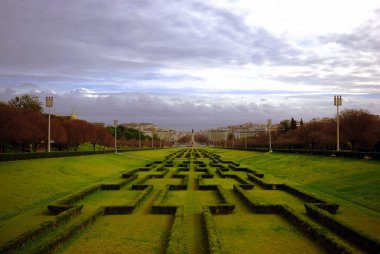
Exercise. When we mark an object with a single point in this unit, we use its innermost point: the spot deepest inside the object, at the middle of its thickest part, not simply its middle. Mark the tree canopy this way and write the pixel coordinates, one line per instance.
(27, 101)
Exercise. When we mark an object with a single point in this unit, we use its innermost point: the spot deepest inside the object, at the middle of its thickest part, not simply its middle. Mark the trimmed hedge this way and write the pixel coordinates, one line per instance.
(29, 156)
(361, 239)
(136, 201)
(222, 208)
(230, 163)
(118, 209)
(68, 214)
(147, 177)
(175, 244)
(202, 186)
(67, 203)
(320, 235)
(212, 238)
(209, 175)
(183, 185)
(39, 230)
(224, 195)
(246, 186)
(309, 197)
(129, 173)
(127, 209)
(259, 181)
(139, 186)
(177, 174)
(227, 206)
(345, 154)
(117, 186)
(235, 177)
(186, 180)
(248, 170)
(57, 154)
(159, 207)
(256, 207)
(145, 168)
(21, 240)
(53, 243)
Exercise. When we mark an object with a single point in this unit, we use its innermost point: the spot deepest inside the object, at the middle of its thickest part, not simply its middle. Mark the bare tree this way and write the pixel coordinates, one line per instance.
(359, 128)
(26, 101)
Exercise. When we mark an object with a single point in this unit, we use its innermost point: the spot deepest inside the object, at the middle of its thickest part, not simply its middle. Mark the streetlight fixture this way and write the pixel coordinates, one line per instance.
(49, 104)
(115, 123)
(225, 139)
(233, 138)
(139, 137)
(337, 103)
(270, 136)
(245, 139)
(152, 139)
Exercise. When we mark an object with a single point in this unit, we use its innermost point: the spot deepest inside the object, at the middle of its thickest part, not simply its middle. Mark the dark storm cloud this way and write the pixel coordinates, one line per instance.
(133, 61)
(80, 38)
(365, 38)
(187, 111)
(352, 65)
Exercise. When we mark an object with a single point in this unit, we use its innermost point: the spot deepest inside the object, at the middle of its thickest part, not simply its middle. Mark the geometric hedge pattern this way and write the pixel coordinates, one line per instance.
(192, 201)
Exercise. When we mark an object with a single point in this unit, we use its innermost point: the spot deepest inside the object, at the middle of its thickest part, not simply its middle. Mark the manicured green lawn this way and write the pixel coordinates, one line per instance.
(257, 233)
(134, 233)
(353, 184)
(28, 184)
(354, 180)
(27, 187)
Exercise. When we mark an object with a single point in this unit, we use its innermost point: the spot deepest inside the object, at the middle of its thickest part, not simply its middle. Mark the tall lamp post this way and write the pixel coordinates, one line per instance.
(152, 140)
(233, 138)
(139, 137)
(115, 123)
(337, 103)
(270, 136)
(49, 104)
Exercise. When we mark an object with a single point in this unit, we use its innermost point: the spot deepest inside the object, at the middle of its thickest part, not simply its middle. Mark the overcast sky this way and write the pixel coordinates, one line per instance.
(192, 64)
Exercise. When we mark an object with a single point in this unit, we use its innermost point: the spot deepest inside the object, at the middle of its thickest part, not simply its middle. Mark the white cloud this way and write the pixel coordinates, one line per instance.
(163, 61)
(304, 18)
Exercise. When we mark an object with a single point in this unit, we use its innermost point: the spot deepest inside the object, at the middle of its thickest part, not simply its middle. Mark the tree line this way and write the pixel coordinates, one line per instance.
(24, 127)
(359, 131)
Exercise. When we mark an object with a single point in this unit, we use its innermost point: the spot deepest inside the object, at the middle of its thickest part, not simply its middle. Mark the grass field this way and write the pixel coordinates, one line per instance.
(27, 187)
(355, 184)
(357, 181)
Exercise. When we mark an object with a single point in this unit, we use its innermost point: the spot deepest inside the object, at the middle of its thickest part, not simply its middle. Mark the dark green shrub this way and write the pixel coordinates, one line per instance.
(212, 237)
(362, 240)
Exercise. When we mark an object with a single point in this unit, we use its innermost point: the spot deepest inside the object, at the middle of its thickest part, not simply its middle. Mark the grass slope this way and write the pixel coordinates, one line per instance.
(352, 183)
(357, 181)
(29, 184)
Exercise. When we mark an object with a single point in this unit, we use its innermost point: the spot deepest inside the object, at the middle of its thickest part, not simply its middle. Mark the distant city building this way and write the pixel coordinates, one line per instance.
(73, 116)
(167, 134)
(98, 124)
(217, 134)
(245, 134)
(140, 126)
(325, 119)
